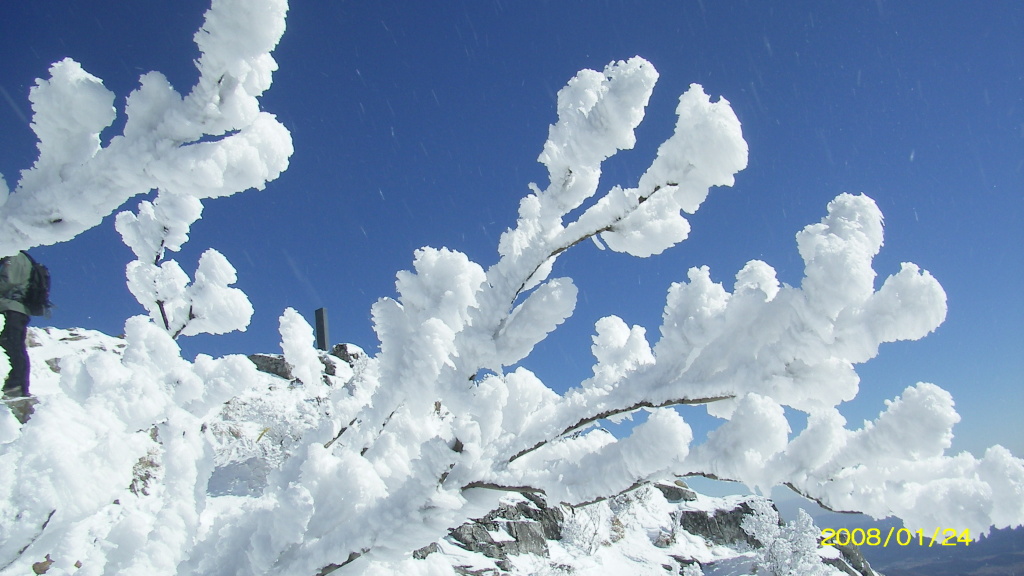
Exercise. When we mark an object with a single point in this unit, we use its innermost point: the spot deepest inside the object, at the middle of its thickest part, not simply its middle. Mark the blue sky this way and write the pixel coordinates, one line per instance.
(420, 123)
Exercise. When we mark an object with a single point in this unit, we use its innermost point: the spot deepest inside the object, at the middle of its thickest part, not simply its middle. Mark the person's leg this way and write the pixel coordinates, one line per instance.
(12, 339)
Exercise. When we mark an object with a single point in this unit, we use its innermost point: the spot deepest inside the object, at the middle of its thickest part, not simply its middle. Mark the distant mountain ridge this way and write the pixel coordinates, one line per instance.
(1001, 553)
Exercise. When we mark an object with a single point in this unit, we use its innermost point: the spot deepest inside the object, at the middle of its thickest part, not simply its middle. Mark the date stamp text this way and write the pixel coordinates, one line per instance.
(894, 537)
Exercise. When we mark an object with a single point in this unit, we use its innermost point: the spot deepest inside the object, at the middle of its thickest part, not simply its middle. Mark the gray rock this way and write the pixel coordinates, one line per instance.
(549, 518)
(475, 537)
(684, 562)
(721, 527)
(467, 571)
(272, 364)
(347, 352)
(275, 363)
(530, 523)
(528, 539)
(677, 492)
(330, 364)
(426, 551)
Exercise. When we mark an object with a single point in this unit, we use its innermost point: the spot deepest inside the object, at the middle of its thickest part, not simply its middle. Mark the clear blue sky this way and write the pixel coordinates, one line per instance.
(419, 123)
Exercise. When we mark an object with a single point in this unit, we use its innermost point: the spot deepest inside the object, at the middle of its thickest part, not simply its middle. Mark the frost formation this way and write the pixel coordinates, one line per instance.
(111, 475)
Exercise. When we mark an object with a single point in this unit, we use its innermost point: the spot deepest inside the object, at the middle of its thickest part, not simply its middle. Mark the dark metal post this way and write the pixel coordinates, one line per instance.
(321, 329)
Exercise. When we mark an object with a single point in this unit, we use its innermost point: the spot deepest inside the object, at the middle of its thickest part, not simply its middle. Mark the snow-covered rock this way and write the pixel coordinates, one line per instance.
(639, 532)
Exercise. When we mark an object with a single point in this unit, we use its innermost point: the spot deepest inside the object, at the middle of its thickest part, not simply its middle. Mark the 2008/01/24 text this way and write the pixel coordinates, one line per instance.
(896, 537)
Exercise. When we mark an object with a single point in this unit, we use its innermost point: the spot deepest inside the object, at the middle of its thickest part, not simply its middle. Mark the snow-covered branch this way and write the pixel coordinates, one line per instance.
(435, 426)
(213, 142)
(385, 458)
(111, 472)
(614, 413)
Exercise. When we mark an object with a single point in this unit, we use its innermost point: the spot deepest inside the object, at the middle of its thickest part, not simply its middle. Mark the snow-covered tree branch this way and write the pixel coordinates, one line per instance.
(443, 419)
(209, 304)
(389, 455)
(119, 459)
(213, 142)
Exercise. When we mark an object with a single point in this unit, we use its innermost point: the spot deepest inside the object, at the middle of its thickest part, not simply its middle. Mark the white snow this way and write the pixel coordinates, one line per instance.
(138, 461)
(297, 343)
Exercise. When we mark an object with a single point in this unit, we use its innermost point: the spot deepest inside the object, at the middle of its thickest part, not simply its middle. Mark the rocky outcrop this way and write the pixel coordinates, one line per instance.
(272, 364)
(513, 529)
(275, 363)
(529, 526)
(718, 526)
(676, 492)
(349, 353)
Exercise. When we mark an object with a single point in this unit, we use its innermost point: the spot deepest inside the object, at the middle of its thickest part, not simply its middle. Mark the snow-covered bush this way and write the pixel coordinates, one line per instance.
(789, 549)
(111, 475)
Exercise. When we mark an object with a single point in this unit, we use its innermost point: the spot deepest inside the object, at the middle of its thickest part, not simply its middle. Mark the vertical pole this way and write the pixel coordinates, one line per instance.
(321, 329)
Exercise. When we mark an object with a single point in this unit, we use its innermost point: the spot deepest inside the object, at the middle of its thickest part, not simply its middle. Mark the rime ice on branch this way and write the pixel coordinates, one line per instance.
(437, 426)
(213, 142)
(432, 430)
(111, 472)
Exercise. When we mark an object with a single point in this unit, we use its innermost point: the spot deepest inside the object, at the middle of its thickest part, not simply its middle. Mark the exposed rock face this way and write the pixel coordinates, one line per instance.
(349, 353)
(677, 492)
(524, 527)
(719, 526)
(272, 364)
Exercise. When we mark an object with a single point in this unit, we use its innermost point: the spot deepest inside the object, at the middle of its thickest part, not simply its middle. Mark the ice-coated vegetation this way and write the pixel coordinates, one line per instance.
(111, 474)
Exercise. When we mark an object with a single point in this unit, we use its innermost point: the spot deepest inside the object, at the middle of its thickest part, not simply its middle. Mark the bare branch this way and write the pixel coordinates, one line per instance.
(556, 252)
(33, 540)
(789, 485)
(163, 315)
(340, 432)
(191, 317)
(383, 426)
(607, 228)
(819, 502)
(634, 486)
(332, 567)
(615, 412)
(500, 488)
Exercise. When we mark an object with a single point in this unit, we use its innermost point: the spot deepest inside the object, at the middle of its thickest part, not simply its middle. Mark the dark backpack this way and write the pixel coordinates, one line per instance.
(37, 296)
